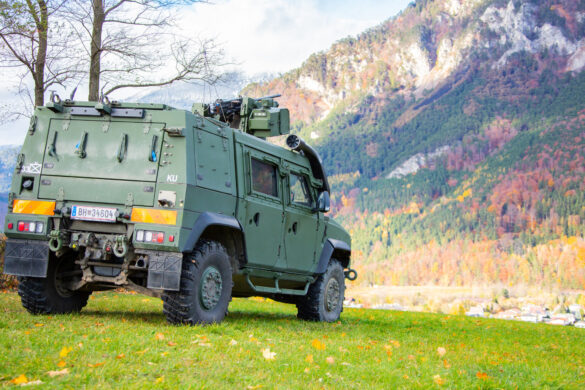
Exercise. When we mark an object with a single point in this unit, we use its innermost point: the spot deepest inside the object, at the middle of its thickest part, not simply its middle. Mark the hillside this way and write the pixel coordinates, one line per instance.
(455, 134)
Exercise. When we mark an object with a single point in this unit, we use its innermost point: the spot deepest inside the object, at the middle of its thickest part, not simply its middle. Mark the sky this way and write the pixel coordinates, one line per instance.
(272, 36)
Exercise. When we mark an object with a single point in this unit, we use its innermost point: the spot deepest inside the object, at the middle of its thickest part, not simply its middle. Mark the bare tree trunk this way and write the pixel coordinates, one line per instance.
(96, 49)
(42, 24)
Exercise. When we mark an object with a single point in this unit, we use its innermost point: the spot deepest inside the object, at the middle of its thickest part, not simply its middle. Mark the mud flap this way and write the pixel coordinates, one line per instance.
(26, 258)
(164, 270)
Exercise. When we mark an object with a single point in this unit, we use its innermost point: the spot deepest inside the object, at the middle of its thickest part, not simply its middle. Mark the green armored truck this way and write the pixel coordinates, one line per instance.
(194, 207)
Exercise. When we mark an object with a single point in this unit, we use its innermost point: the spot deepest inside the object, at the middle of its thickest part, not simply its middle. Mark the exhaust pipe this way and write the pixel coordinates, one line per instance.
(297, 144)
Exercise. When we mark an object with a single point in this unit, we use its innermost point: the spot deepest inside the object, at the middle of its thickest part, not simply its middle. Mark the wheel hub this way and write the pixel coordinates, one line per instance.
(332, 295)
(210, 288)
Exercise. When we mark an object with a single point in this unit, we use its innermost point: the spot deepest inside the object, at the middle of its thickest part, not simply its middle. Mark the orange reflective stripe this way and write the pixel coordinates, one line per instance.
(162, 217)
(33, 207)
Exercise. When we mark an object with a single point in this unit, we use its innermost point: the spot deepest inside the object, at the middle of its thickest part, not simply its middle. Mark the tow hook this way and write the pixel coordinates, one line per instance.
(121, 246)
(350, 274)
(55, 241)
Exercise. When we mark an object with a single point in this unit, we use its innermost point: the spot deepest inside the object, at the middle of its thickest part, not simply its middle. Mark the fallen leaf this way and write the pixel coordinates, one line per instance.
(171, 344)
(441, 351)
(345, 364)
(318, 345)
(233, 342)
(121, 356)
(96, 364)
(159, 336)
(307, 370)
(39, 325)
(64, 351)
(61, 364)
(395, 343)
(141, 352)
(80, 345)
(64, 371)
(268, 355)
(446, 364)
(438, 380)
(254, 387)
(19, 380)
(309, 358)
(330, 359)
(33, 383)
(481, 375)
(160, 379)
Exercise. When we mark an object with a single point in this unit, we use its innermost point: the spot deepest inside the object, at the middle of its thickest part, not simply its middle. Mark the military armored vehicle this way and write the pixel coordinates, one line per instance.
(194, 207)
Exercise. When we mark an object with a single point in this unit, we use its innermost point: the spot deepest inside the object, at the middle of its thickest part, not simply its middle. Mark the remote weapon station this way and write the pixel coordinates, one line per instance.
(194, 207)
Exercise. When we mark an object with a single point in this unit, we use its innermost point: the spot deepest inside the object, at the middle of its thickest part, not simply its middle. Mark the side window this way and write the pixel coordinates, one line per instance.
(264, 178)
(299, 190)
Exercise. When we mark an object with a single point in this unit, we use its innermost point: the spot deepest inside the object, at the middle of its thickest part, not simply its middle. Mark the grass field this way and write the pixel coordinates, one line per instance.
(123, 340)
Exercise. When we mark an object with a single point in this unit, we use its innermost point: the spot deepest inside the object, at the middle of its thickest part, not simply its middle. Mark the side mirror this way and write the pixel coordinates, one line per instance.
(323, 202)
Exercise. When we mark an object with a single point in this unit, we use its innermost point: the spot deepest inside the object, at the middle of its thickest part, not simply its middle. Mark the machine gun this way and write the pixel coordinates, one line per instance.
(227, 110)
(260, 117)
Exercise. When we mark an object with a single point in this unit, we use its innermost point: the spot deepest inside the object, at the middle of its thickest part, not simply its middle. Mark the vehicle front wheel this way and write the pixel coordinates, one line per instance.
(324, 300)
(50, 295)
(206, 287)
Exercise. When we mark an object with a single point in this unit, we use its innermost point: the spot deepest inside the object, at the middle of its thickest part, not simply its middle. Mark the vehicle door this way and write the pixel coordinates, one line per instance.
(262, 214)
(301, 223)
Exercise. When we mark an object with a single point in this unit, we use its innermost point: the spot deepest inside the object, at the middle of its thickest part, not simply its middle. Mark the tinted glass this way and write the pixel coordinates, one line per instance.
(264, 178)
(299, 190)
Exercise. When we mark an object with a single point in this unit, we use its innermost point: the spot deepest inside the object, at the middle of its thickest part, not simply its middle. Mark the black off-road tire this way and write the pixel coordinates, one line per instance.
(324, 300)
(206, 287)
(47, 295)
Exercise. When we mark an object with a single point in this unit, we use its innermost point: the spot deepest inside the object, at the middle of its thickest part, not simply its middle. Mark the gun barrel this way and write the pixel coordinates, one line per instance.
(269, 97)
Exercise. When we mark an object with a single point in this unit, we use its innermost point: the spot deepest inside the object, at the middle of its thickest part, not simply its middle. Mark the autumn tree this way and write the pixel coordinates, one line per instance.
(29, 42)
(131, 43)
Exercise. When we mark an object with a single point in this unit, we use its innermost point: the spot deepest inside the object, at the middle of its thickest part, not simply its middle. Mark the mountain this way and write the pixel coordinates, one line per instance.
(455, 137)
(183, 95)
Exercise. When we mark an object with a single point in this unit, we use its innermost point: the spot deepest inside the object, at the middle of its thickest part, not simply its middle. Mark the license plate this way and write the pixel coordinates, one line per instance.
(89, 213)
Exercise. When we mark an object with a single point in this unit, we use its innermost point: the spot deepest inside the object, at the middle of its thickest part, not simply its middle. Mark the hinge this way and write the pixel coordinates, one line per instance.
(33, 125)
(61, 195)
(66, 122)
(148, 123)
(106, 124)
(19, 162)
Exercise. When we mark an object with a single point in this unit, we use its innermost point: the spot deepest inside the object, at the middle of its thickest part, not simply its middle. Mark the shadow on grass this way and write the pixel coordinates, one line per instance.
(151, 317)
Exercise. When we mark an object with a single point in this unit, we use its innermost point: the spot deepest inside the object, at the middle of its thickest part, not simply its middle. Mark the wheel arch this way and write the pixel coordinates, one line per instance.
(333, 248)
(221, 228)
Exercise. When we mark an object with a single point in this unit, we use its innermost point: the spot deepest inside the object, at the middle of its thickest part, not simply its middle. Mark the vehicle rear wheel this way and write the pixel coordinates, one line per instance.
(206, 287)
(50, 295)
(324, 300)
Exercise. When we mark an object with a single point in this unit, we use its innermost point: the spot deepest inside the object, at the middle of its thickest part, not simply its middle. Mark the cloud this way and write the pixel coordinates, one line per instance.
(278, 35)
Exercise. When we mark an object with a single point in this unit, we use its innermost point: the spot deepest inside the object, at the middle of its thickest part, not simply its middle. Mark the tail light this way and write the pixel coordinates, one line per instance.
(149, 236)
(30, 227)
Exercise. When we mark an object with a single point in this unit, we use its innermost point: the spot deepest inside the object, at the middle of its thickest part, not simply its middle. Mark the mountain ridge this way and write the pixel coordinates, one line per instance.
(427, 124)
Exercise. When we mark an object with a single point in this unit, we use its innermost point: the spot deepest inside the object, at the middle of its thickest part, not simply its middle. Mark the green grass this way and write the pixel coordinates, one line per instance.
(123, 340)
